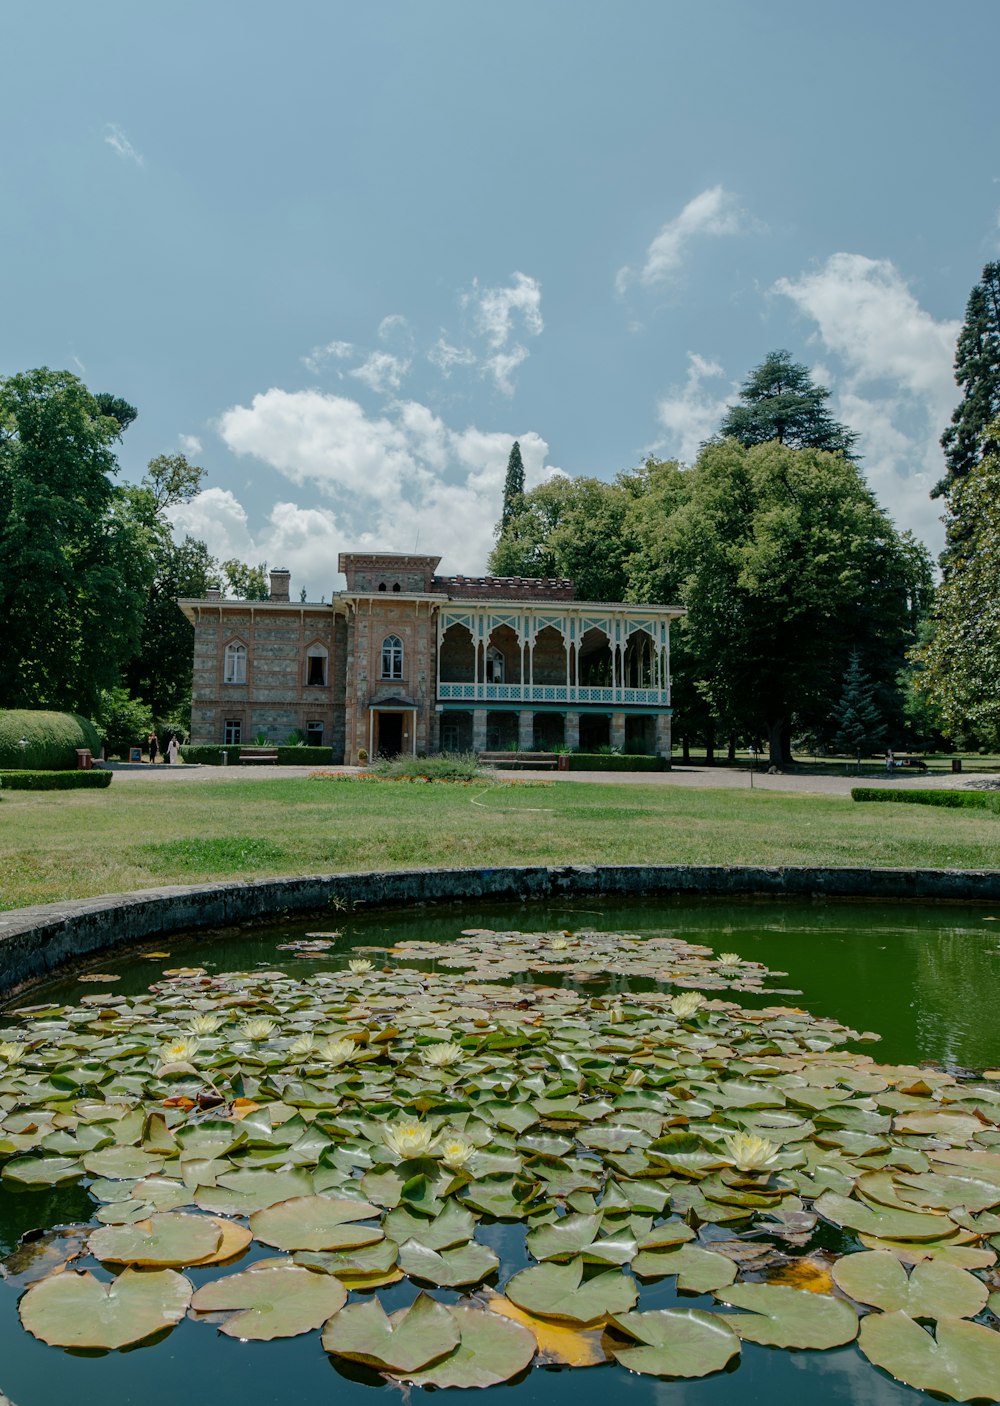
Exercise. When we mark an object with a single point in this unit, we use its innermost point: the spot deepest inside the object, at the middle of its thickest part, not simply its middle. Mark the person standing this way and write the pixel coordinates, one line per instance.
(153, 745)
(172, 750)
(890, 760)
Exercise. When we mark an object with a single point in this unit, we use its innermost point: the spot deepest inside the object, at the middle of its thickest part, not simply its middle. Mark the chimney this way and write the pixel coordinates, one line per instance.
(213, 593)
(280, 580)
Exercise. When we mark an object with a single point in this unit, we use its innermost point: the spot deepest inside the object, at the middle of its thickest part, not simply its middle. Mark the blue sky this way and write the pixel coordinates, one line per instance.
(343, 254)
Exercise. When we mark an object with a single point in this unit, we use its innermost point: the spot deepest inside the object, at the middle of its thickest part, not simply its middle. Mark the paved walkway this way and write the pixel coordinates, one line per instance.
(713, 777)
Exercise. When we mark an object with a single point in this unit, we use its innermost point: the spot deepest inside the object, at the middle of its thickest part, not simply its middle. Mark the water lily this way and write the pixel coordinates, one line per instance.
(180, 1050)
(559, 944)
(336, 1051)
(257, 1028)
(204, 1024)
(360, 965)
(456, 1151)
(730, 959)
(302, 1045)
(749, 1152)
(686, 1004)
(410, 1138)
(441, 1055)
(11, 1052)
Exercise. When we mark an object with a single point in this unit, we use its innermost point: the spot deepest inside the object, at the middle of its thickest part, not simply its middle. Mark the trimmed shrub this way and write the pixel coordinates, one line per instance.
(613, 761)
(210, 756)
(303, 756)
(449, 766)
(53, 740)
(54, 780)
(956, 800)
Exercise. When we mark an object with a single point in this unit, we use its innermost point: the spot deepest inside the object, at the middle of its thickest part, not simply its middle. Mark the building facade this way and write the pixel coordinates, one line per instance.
(406, 661)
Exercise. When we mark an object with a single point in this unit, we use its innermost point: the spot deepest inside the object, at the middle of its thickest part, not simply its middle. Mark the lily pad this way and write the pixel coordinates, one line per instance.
(167, 1241)
(403, 1343)
(698, 1271)
(316, 1223)
(272, 1301)
(77, 1310)
(676, 1342)
(784, 1317)
(960, 1360)
(42, 1171)
(492, 1349)
(933, 1289)
(560, 1291)
(453, 1226)
(886, 1223)
(558, 1345)
(465, 1264)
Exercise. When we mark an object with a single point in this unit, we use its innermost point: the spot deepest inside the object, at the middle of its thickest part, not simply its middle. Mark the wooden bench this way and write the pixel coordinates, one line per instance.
(253, 755)
(520, 760)
(910, 763)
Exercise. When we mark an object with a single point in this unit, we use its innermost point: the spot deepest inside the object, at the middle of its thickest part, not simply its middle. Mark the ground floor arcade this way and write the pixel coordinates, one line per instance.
(543, 729)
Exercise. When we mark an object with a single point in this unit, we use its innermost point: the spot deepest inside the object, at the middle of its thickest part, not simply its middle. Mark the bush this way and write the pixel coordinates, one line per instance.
(123, 722)
(53, 740)
(303, 756)
(614, 761)
(449, 766)
(53, 780)
(956, 800)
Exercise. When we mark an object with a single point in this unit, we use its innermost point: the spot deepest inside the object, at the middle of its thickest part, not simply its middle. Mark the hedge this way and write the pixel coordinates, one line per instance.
(613, 761)
(287, 756)
(53, 740)
(957, 800)
(53, 780)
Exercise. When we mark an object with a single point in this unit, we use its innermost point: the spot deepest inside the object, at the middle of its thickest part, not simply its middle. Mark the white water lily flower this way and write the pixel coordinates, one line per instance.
(302, 1045)
(686, 1004)
(440, 1056)
(11, 1052)
(359, 965)
(410, 1139)
(730, 959)
(204, 1024)
(749, 1152)
(181, 1050)
(559, 944)
(336, 1051)
(456, 1151)
(257, 1028)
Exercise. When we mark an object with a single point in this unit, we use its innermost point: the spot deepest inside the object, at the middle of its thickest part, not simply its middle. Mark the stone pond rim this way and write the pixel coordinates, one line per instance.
(36, 942)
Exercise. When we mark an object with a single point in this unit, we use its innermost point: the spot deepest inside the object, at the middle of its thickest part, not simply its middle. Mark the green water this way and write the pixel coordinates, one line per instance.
(926, 978)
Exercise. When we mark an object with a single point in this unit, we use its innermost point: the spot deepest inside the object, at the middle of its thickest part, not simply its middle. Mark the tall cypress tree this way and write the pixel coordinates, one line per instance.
(861, 728)
(781, 401)
(513, 488)
(977, 371)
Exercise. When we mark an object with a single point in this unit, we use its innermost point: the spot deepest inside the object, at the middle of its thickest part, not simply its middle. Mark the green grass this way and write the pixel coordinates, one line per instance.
(57, 845)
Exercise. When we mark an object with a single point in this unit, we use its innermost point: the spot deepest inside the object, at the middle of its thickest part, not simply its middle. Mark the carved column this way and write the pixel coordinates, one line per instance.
(663, 735)
(526, 730)
(571, 732)
(479, 729)
(618, 731)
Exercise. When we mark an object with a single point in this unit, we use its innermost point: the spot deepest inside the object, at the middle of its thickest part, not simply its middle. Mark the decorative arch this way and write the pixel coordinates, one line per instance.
(392, 657)
(234, 662)
(317, 664)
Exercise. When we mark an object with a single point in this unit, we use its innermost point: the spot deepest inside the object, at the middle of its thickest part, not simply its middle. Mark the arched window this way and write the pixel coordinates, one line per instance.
(392, 657)
(494, 665)
(316, 657)
(395, 585)
(381, 585)
(235, 668)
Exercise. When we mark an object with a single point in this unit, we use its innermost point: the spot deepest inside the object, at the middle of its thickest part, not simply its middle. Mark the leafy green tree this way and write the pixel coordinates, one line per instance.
(977, 371)
(74, 563)
(860, 725)
(959, 668)
(572, 527)
(122, 721)
(112, 407)
(779, 400)
(245, 582)
(513, 488)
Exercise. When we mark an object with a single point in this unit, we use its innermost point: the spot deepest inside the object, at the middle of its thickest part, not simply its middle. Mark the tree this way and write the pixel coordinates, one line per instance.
(112, 407)
(122, 721)
(573, 527)
(977, 372)
(860, 726)
(781, 401)
(74, 563)
(959, 668)
(513, 488)
(246, 582)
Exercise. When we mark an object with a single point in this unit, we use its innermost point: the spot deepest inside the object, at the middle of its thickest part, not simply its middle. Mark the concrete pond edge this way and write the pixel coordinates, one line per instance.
(36, 942)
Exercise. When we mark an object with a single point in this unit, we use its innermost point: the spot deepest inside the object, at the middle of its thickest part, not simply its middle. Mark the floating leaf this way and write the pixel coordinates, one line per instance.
(886, 1223)
(559, 1291)
(168, 1241)
(676, 1342)
(272, 1301)
(492, 1349)
(453, 1226)
(77, 1310)
(960, 1360)
(557, 1345)
(782, 1317)
(316, 1223)
(466, 1264)
(121, 1162)
(934, 1289)
(698, 1271)
(42, 1171)
(403, 1343)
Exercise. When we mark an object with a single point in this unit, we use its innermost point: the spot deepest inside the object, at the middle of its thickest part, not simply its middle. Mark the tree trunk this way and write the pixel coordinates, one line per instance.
(685, 749)
(775, 732)
(731, 755)
(786, 745)
(710, 743)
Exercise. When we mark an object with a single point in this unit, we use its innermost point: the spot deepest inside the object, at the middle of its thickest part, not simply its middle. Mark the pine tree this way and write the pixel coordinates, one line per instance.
(861, 728)
(977, 371)
(513, 488)
(781, 401)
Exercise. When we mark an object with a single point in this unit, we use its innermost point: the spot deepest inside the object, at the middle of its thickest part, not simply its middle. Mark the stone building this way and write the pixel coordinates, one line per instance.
(404, 660)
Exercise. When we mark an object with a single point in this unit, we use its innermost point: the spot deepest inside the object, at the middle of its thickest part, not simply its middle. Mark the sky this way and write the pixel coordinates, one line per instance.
(342, 255)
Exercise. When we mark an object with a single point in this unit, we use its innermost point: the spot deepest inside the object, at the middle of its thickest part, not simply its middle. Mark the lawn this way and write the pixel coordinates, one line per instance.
(75, 844)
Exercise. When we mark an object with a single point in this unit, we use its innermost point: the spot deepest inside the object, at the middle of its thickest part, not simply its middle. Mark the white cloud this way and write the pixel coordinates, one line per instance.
(892, 377)
(495, 309)
(714, 212)
(190, 443)
(120, 144)
(395, 328)
(496, 315)
(691, 413)
(316, 360)
(393, 479)
(445, 356)
(381, 371)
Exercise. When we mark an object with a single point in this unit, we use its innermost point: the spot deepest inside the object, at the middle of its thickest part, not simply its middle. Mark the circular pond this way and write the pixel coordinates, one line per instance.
(540, 1150)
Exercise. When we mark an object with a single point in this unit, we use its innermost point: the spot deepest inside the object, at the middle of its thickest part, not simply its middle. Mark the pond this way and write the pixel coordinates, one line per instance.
(639, 1046)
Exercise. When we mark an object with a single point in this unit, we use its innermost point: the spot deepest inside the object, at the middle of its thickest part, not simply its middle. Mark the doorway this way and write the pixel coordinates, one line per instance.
(388, 734)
